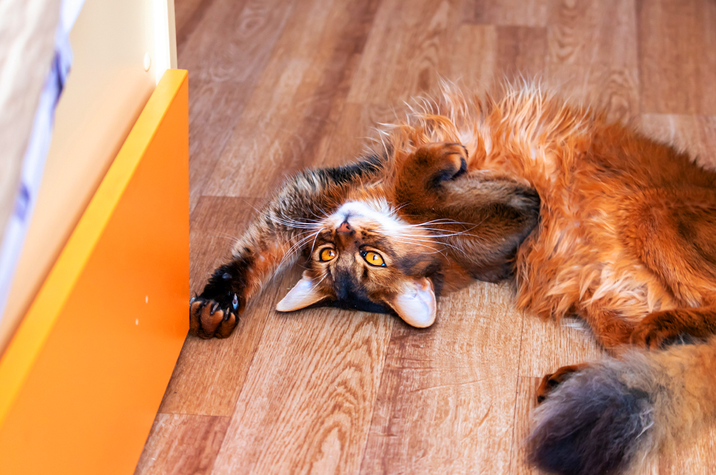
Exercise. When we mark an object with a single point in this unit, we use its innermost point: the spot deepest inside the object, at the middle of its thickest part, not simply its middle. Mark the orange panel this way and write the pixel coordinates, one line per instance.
(81, 381)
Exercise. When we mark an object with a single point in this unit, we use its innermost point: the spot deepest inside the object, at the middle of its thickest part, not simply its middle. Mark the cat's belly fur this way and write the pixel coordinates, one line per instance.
(576, 262)
(577, 259)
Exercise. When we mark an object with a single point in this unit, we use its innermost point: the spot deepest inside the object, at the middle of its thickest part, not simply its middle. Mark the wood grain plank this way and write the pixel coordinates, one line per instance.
(209, 374)
(223, 71)
(473, 57)
(521, 52)
(354, 134)
(297, 102)
(677, 41)
(187, 16)
(417, 32)
(533, 13)
(601, 32)
(547, 345)
(447, 397)
(181, 444)
(601, 87)
(307, 403)
(695, 135)
(526, 404)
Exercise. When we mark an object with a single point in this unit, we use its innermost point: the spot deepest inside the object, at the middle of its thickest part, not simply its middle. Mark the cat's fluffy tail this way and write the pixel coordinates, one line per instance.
(611, 416)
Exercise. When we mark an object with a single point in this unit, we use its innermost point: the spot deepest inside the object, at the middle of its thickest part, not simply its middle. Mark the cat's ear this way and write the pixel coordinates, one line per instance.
(303, 294)
(416, 303)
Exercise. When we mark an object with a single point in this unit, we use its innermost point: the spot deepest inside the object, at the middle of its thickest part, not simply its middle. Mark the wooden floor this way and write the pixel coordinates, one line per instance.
(278, 85)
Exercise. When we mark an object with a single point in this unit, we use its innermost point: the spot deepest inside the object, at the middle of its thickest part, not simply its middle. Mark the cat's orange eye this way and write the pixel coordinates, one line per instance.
(327, 254)
(373, 258)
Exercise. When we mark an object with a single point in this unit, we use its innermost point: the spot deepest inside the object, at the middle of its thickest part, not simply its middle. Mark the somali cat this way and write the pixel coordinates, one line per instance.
(388, 233)
(625, 241)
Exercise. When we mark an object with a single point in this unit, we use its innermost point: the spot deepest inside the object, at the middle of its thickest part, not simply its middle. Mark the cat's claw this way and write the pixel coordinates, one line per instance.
(235, 302)
(209, 318)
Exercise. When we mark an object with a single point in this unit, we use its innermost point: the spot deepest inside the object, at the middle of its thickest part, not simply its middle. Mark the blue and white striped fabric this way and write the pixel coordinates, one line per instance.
(36, 153)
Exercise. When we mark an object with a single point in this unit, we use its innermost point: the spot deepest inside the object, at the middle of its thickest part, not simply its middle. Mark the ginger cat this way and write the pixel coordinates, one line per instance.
(625, 241)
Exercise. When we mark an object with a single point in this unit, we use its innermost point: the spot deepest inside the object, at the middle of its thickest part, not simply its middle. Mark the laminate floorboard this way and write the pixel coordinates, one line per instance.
(447, 396)
(297, 100)
(308, 400)
(677, 56)
(183, 443)
(279, 85)
(507, 12)
(209, 374)
(224, 70)
(526, 401)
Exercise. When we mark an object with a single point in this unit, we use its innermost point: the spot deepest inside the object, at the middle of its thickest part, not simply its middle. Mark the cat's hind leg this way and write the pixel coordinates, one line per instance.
(673, 231)
(659, 329)
(550, 381)
(611, 332)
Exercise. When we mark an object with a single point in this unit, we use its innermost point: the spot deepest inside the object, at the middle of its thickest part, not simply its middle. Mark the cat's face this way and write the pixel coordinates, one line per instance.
(364, 256)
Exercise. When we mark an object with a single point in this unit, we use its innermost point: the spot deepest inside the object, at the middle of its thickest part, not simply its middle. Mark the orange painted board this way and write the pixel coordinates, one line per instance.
(82, 379)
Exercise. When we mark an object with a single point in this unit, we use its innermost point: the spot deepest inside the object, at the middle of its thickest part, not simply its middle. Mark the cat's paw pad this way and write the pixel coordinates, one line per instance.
(212, 319)
(450, 160)
(552, 380)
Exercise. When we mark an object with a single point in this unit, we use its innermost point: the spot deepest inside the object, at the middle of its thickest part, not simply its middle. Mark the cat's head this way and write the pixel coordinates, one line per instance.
(365, 257)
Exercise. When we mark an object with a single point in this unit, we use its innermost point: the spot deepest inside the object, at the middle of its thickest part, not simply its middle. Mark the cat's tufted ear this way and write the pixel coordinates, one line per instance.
(303, 294)
(416, 303)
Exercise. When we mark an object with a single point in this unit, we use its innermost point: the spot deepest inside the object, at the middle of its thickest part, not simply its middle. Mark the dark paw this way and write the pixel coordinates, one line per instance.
(451, 161)
(552, 380)
(209, 318)
(659, 330)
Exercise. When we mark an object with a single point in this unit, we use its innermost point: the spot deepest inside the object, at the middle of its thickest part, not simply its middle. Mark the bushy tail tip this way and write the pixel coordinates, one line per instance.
(593, 424)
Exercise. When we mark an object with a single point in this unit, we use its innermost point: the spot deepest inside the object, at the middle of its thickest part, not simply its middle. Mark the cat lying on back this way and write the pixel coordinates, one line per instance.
(626, 241)
(387, 233)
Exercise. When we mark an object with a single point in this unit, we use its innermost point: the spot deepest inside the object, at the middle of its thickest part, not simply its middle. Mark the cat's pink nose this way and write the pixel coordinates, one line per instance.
(344, 228)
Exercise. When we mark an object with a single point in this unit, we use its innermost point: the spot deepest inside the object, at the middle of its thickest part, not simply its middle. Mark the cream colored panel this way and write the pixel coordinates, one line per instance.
(106, 90)
(27, 36)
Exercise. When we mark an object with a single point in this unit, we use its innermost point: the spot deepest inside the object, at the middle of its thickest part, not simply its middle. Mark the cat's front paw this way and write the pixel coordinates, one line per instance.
(214, 319)
(448, 161)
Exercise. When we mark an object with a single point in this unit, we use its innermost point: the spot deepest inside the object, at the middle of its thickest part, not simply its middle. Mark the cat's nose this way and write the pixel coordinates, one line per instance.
(344, 228)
